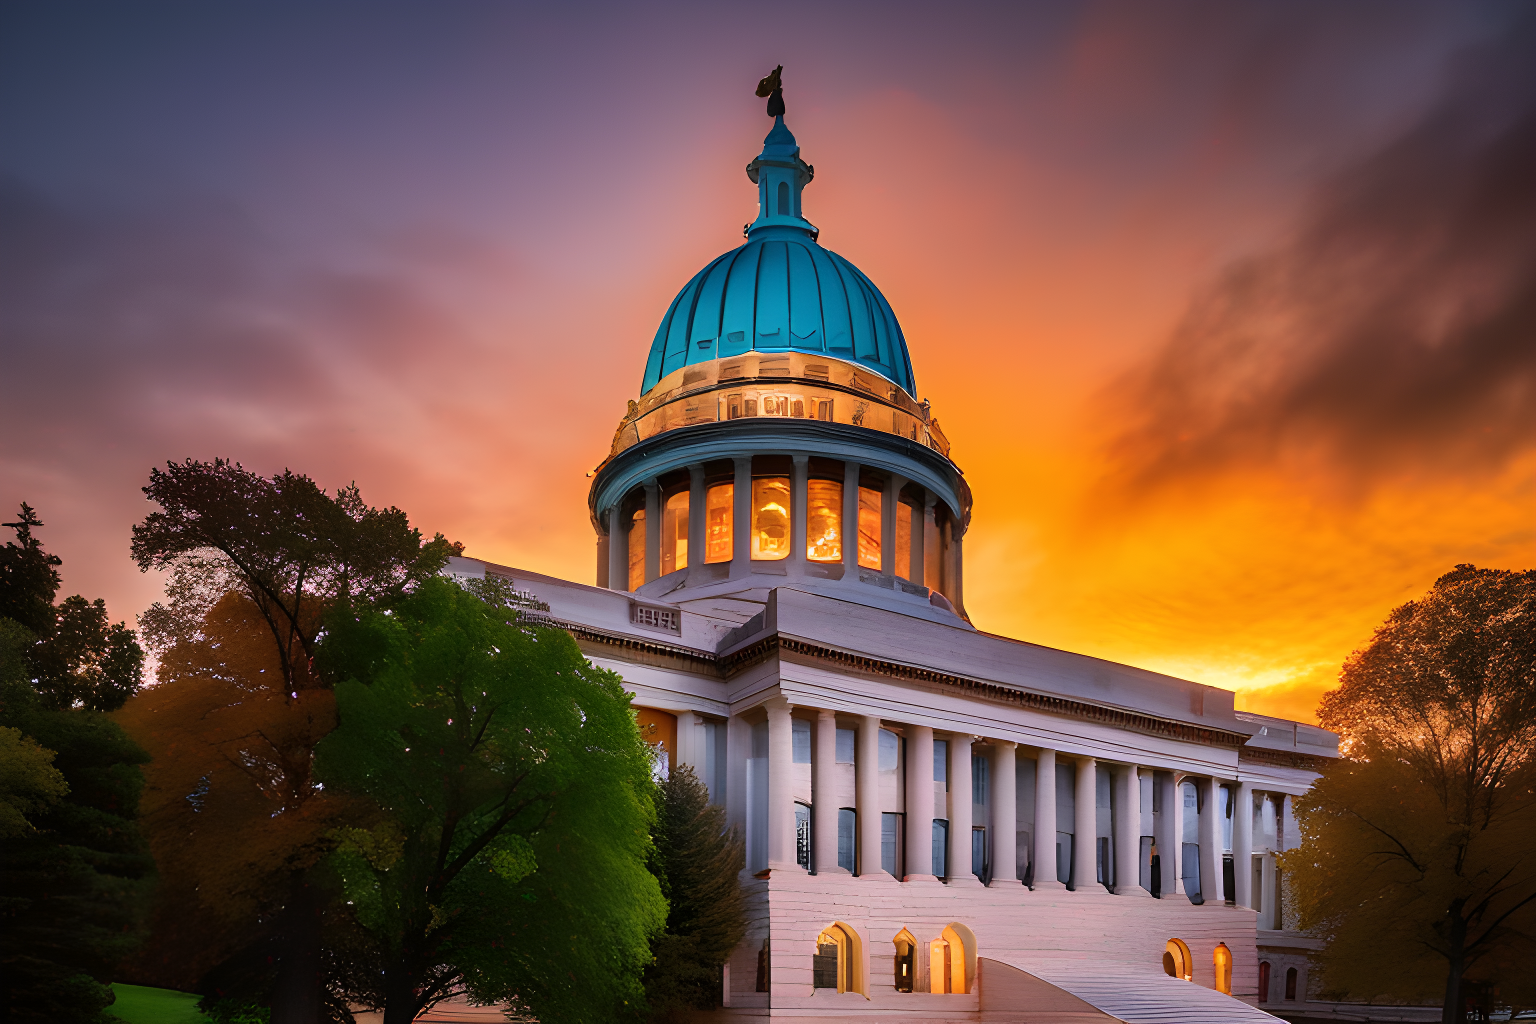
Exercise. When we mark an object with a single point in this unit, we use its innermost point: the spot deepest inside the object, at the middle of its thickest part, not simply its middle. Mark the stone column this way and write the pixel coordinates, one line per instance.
(933, 546)
(1005, 815)
(851, 520)
(867, 797)
(919, 542)
(1085, 826)
(823, 795)
(797, 513)
(1045, 822)
(919, 804)
(741, 515)
(781, 789)
(1242, 844)
(958, 561)
(1210, 842)
(960, 811)
(1127, 832)
(652, 530)
(889, 499)
(1170, 835)
(698, 524)
(618, 549)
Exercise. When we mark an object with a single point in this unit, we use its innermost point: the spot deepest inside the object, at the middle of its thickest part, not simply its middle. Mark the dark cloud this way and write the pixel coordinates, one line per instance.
(1395, 330)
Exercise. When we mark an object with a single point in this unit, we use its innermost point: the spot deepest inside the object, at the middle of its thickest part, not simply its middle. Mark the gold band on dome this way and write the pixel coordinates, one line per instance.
(790, 385)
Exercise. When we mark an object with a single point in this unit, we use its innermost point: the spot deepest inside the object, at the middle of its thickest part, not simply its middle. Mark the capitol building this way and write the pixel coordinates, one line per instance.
(941, 824)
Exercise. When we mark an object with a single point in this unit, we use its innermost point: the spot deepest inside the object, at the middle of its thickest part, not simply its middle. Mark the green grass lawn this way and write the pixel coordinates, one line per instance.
(138, 1005)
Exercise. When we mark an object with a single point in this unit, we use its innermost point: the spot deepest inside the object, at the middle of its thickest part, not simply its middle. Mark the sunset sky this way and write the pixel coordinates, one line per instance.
(1228, 309)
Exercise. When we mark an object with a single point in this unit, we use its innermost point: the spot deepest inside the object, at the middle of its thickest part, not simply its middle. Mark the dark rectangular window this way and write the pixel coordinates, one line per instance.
(1064, 858)
(979, 865)
(940, 847)
(847, 831)
(1144, 863)
(1191, 873)
(803, 836)
(801, 735)
(1104, 862)
(980, 775)
(1229, 880)
(941, 762)
(846, 742)
(890, 844)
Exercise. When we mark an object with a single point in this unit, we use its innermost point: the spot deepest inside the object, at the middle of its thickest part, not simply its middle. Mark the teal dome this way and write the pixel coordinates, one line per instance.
(781, 291)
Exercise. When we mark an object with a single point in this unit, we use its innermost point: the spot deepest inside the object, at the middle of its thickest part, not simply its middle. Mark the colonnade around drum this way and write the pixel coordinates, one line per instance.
(783, 514)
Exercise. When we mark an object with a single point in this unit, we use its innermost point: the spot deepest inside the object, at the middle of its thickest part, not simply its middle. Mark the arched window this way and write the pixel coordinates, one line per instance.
(1263, 981)
(832, 966)
(906, 960)
(1221, 959)
(783, 199)
(674, 533)
(1176, 960)
(1290, 984)
(947, 963)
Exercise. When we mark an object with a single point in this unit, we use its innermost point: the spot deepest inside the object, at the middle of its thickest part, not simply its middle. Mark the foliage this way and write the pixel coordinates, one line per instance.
(513, 801)
(1416, 859)
(292, 551)
(136, 1004)
(697, 861)
(73, 868)
(73, 888)
(287, 545)
(231, 808)
(29, 783)
(75, 657)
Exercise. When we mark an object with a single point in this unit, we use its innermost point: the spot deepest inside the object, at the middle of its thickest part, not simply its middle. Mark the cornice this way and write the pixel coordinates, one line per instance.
(1281, 758)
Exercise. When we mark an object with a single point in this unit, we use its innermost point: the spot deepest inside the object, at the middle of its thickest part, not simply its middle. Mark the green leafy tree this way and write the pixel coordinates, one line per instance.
(697, 861)
(73, 868)
(75, 658)
(513, 803)
(1416, 863)
(292, 551)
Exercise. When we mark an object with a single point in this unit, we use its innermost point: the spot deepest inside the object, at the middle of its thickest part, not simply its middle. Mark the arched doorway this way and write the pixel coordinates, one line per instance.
(1176, 960)
(947, 957)
(1221, 960)
(834, 964)
(906, 960)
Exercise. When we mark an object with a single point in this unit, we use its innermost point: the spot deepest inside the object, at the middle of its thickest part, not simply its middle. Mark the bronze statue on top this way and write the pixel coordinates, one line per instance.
(773, 88)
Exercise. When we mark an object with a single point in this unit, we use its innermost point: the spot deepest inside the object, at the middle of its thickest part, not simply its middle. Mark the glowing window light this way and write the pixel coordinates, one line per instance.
(719, 523)
(905, 513)
(770, 518)
(674, 533)
(869, 527)
(824, 520)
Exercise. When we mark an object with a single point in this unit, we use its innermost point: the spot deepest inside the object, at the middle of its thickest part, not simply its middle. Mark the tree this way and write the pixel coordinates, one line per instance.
(1416, 864)
(697, 861)
(293, 552)
(512, 801)
(287, 545)
(75, 657)
(73, 868)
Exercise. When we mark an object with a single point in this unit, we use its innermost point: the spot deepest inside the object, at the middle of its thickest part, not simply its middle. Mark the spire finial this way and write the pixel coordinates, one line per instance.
(773, 87)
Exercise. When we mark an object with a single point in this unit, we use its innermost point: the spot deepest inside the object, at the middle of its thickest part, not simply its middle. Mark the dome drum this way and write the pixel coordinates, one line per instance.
(778, 385)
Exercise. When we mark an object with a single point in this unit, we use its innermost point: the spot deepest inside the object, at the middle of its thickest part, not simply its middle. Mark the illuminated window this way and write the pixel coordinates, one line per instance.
(770, 518)
(719, 523)
(824, 411)
(824, 520)
(869, 527)
(906, 961)
(1176, 960)
(1221, 959)
(946, 964)
(904, 513)
(637, 551)
(674, 533)
(831, 966)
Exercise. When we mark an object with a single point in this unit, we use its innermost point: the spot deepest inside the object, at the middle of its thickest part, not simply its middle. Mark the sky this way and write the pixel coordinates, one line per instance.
(1229, 309)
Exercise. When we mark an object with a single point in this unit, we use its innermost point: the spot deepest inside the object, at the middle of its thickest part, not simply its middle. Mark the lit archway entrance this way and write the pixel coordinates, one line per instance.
(946, 963)
(906, 960)
(1221, 960)
(1176, 960)
(832, 965)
